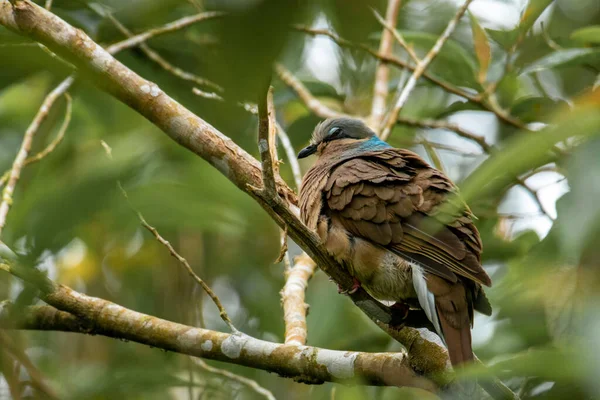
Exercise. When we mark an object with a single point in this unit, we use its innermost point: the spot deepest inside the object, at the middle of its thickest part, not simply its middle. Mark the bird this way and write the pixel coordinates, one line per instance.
(380, 213)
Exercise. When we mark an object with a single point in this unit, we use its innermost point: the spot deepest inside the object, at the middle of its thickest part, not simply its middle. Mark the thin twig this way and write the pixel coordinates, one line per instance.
(157, 58)
(184, 263)
(535, 196)
(36, 377)
(170, 27)
(307, 98)
(445, 147)
(252, 384)
(435, 158)
(19, 163)
(59, 136)
(207, 95)
(390, 120)
(433, 124)
(48, 4)
(52, 146)
(398, 36)
(291, 155)
(292, 298)
(195, 4)
(382, 73)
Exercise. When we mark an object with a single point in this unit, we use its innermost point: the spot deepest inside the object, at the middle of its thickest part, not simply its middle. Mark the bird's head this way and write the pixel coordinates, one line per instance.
(341, 132)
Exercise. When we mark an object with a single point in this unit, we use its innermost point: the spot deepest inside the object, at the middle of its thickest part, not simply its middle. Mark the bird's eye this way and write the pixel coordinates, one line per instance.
(333, 132)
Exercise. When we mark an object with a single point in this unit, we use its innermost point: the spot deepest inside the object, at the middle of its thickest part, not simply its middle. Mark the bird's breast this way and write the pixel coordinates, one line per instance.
(382, 273)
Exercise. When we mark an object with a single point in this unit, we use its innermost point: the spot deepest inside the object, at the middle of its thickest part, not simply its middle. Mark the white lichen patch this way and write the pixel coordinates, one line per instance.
(150, 89)
(207, 345)
(263, 145)
(189, 339)
(233, 345)
(256, 347)
(101, 59)
(154, 91)
(339, 365)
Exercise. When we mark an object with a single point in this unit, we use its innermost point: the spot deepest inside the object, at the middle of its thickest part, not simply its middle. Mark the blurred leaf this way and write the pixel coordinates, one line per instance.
(563, 58)
(504, 38)
(532, 109)
(482, 48)
(508, 89)
(527, 151)
(255, 33)
(549, 363)
(589, 34)
(534, 9)
(317, 88)
(577, 229)
(458, 106)
(453, 63)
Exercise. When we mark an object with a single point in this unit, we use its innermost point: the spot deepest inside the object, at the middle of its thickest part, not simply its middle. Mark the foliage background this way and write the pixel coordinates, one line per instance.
(68, 214)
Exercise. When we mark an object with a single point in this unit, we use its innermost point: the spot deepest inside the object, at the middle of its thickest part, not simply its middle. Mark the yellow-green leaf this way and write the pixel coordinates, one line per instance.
(483, 50)
(589, 34)
(534, 9)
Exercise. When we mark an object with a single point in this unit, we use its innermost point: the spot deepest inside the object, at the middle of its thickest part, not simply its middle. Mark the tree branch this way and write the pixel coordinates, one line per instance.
(292, 297)
(83, 314)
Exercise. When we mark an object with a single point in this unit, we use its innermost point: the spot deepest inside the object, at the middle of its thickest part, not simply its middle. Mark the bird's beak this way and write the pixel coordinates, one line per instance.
(307, 151)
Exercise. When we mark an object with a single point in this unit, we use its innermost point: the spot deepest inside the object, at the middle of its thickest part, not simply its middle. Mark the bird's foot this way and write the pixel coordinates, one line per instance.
(355, 286)
(400, 308)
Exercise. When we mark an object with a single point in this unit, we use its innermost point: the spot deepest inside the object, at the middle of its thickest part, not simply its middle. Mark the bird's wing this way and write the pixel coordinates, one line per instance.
(392, 197)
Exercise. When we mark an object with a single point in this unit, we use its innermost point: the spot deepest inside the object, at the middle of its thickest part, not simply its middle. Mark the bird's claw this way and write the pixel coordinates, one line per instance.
(355, 286)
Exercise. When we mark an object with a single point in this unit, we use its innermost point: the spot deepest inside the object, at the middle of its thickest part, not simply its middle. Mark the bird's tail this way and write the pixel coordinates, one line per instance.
(457, 338)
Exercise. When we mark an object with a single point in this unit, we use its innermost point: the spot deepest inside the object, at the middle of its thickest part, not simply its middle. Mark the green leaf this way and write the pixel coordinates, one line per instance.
(589, 34)
(504, 38)
(530, 109)
(482, 48)
(459, 106)
(508, 38)
(564, 58)
(534, 9)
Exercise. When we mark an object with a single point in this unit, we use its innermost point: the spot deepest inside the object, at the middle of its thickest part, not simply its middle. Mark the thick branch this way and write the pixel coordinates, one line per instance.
(84, 314)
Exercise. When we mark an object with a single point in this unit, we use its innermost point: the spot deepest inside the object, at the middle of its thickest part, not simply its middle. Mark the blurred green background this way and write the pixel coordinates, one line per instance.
(69, 216)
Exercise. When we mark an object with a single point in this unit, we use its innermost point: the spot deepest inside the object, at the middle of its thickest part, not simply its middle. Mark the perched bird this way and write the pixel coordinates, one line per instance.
(377, 210)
